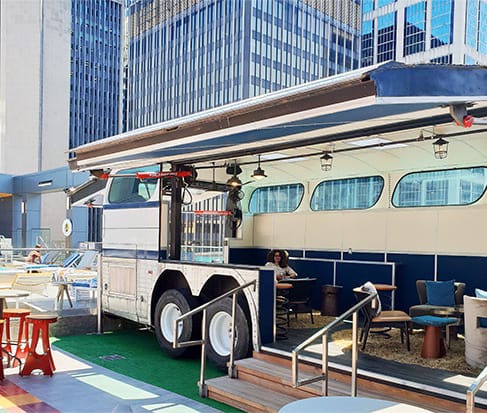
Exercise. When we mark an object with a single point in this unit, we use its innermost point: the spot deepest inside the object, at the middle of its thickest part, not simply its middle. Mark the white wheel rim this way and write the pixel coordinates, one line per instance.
(220, 333)
(168, 314)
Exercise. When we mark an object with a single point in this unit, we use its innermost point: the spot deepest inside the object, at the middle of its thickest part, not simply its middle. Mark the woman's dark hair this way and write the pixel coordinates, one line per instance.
(284, 257)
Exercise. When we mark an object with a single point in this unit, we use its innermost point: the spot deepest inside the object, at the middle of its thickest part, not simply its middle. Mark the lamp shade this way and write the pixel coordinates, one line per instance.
(259, 173)
(326, 162)
(234, 181)
(441, 148)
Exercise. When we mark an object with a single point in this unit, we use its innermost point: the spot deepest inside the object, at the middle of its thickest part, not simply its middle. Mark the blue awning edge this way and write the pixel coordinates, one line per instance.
(432, 80)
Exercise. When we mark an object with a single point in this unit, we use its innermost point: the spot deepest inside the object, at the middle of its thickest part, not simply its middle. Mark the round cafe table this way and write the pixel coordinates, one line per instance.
(344, 404)
(9, 293)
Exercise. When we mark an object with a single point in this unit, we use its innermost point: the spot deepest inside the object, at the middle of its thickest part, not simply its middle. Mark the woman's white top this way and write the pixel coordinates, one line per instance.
(281, 272)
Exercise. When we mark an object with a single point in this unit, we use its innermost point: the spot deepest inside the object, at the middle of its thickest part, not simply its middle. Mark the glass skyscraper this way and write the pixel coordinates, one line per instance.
(424, 31)
(95, 80)
(186, 56)
(96, 39)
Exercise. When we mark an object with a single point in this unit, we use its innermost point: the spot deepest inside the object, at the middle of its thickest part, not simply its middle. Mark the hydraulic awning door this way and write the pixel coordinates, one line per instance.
(89, 193)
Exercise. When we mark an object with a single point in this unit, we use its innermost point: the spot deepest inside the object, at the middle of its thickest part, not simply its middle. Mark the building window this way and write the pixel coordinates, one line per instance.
(367, 5)
(440, 188)
(482, 35)
(386, 39)
(414, 28)
(443, 59)
(441, 22)
(382, 3)
(367, 42)
(349, 193)
(278, 198)
(471, 26)
(132, 189)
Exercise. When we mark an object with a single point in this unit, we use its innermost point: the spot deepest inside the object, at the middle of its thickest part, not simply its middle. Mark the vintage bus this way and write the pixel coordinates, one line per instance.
(378, 174)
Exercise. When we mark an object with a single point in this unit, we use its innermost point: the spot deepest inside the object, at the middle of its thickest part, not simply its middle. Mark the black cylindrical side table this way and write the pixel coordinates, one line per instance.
(329, 299)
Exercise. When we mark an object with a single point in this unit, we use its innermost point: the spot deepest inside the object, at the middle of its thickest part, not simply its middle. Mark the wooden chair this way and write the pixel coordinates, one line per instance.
(384, 319)
(300, 297)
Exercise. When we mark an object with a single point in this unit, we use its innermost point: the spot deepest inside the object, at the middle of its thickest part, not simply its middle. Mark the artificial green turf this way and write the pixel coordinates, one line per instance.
(143, 360)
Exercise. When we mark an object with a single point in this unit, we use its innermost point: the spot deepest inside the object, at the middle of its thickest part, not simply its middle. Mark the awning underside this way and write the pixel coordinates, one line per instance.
(390, 98)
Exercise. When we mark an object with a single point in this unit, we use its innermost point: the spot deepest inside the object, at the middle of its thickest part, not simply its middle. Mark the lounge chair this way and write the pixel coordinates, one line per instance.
(425, 307)
(87, 261)
(475, 331)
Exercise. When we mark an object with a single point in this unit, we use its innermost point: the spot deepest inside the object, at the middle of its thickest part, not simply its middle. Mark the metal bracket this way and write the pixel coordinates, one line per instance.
(459, 113)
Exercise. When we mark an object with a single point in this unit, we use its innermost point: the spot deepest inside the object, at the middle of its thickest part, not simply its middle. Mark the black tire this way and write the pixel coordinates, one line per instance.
(219, 322)
(171, 305)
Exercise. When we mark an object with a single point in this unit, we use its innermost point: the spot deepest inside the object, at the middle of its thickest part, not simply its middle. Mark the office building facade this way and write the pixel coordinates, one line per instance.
(188, 56)
(95, 84)
(59, 88)
(95, 78)
(424, 31)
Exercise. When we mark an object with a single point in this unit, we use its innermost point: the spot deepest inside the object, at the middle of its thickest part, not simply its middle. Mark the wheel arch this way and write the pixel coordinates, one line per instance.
(169, 279)
(214, 286)
(219, 284)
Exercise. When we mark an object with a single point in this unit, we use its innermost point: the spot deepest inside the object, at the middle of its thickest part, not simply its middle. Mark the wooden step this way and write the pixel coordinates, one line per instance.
(305, 368)
(278, 377)
(247, 396)
(264, 384)
(339, 384)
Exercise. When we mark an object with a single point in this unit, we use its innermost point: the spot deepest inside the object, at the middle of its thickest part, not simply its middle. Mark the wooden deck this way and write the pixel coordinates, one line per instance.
(264, 382)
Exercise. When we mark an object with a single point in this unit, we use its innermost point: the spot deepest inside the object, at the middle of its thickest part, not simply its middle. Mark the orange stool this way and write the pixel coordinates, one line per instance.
(22, 342)
(39, 361)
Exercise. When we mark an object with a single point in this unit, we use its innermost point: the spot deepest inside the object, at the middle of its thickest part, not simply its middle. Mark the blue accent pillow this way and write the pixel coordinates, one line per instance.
(440, 293)
(480, 293)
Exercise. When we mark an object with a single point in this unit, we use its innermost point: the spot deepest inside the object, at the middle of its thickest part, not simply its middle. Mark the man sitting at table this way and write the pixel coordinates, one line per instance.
(278, 260)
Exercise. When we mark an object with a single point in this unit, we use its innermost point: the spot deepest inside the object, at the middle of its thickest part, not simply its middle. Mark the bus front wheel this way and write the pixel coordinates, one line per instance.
(171, 305)
(219, 333)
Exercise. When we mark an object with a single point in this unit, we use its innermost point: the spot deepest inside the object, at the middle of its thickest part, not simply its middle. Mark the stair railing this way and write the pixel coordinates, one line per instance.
(203, 389)
(324, 333)
(474, 388)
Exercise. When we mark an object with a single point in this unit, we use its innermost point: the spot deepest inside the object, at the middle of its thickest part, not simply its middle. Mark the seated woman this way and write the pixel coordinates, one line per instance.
(34, 256)
(278, 260)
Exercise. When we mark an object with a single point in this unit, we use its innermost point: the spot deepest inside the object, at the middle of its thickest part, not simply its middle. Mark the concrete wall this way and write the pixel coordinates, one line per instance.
(34, 74)
(53, 207)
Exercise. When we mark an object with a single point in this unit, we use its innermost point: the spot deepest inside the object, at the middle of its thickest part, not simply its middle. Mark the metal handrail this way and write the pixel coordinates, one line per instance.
(323, 333)
(474, 388)
(203, 390)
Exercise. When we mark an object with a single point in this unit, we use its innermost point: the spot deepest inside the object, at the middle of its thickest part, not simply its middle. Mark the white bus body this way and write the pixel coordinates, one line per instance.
(143, 277)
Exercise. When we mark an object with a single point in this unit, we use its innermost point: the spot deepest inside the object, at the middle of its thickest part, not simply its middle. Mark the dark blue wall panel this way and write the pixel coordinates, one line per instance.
(409, 268)
(266, 306)
(332, 255)
(321, 270)
(248, 256)
(471, 270)
(353, 274)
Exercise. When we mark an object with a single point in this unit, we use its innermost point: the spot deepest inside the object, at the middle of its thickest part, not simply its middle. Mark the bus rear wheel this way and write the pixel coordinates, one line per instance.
(171, 305)
(219, 333)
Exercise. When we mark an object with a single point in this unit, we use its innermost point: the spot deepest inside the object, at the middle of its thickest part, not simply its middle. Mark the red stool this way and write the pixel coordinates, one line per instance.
(2, 376)
(39, 361)
(22, 342)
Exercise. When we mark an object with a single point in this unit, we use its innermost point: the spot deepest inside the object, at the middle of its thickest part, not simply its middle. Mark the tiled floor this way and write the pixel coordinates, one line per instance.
(78, 386)
(15, 399)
